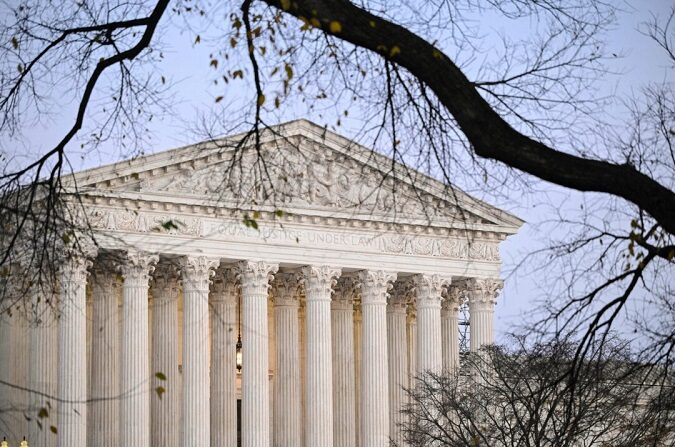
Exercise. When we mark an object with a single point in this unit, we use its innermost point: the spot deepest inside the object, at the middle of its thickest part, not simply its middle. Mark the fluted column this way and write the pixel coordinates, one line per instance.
(412, 342)
(319, 389)
(344, 387)
(134, 406)
(397, 351)
(374, 368)
(358, 350)
(255, 278)
(72, 352)
(482, 294)
(428, 289)
(224, 359)
(103, 424)
(43, 368)
(450, 329)
(287, 402)
(165, 398)
(196, 272)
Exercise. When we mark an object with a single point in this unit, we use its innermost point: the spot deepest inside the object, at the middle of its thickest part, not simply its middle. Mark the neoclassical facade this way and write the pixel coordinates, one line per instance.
(274, 297)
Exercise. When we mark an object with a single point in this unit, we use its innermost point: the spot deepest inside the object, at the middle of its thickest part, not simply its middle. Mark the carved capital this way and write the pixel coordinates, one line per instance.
(453, 296)
(196, 272)
(105, 280)
(428, 289)
(401, 294)
(255, 277)
(225, 285)
(74, 271)
(286, 289)
(137, 267)
(374, 286)
(165, 282)
(345, 292)
(319, 281)
(482, 292)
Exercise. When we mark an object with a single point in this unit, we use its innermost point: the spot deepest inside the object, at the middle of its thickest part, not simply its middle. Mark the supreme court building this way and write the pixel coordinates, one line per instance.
(279, 296)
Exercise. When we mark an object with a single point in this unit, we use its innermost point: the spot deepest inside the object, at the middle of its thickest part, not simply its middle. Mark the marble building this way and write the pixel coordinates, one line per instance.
(273, 297)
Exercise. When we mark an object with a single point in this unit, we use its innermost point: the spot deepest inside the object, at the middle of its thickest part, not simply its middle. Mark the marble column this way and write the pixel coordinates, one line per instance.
(358, 332)
(428, 290)
(134, 406)
(287, 403)
(165, 397)
(374, 367)
(342, 326)
(103, 422)
(319, 281)
(412, 342)
(482, 295)
(303, 367)
(196, 272)
(255, 278)
(72, 352)
(397, 351)
(224, 359)
(450, 329)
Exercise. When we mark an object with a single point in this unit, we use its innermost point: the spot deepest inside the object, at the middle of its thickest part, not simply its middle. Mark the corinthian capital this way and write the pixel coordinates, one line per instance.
(286, 289)
(319, 281)
(429, 288)
(196, 271)
(165, 282)
(375, 285)
(483, 291)
(454, 296)
(255, 276)
(137, 266)
(225, 285)
(345, 291)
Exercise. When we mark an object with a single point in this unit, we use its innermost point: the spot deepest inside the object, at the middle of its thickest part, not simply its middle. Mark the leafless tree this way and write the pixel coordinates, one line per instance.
(513, 397)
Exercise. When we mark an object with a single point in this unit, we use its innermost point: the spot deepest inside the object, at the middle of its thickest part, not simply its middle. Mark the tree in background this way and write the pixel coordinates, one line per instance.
(513, 396)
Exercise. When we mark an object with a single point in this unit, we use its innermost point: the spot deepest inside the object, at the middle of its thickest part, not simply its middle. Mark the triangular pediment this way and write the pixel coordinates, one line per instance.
(299, 168)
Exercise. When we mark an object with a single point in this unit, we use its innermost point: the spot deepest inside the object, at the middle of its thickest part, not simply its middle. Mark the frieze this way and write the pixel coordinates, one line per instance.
(229, 229)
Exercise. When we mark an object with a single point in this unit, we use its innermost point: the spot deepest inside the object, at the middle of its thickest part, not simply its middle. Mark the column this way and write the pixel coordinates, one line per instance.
(43, 367)
(358, 332)
(224, 359)
(374, 370)
(72, 352)
(412, 342)
(397, 351)
(196, 272)
(344, 387)
(255, 278)
(319, 281)
(428, 290)
(165, 397)
(303, 368)
(287, 402)
(482, 294)
(450, 329)
(103, 422)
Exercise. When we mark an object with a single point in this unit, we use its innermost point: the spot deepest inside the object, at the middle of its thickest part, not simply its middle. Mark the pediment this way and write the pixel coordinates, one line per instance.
(300, 169)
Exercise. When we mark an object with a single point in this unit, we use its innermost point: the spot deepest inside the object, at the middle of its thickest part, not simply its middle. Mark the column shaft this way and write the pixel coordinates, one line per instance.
(429, 347)
(397, 346)
(72, 361)
(358, 350)
(450, 330)
(255, 277)
(318, 284)
(374, 370)
(344, 387)
(164, 406)
(196, 272)
(103, 424)
(134, 406)
(287, 402)
(224, 360)
(482, 295)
